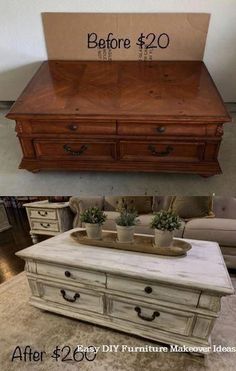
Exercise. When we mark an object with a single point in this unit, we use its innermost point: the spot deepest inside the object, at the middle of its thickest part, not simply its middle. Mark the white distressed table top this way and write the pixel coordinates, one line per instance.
(203, 267)
(46, 204)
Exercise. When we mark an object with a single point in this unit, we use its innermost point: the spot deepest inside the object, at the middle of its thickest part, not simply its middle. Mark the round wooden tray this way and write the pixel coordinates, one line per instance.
(144, 244)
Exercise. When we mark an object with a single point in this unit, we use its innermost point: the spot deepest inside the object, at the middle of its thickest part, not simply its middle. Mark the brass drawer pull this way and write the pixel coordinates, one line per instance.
(73, 127)
(140, 315)
(148, 289)
(42, 213)
(68, 149)
(71, 300)
(161, 129)
(67, 274)
(44, 225)
(154, 152)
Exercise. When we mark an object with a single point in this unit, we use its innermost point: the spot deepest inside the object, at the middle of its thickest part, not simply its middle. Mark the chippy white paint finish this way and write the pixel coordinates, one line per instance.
(48, 218)
(4, 223)
(109, 287)
(203, 267)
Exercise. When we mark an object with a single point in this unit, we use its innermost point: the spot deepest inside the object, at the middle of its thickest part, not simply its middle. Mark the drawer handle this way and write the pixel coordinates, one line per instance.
(71, 300)
(67, 274)
(73, 127)
(44, 225)
(148, 289)
(154, 315)
(161, 129)
(68, 149)
(42, 213)
(154, 152)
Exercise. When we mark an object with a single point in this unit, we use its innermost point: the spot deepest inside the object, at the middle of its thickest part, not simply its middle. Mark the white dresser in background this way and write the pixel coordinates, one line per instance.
(173, 300)
(48, 218)
(4, 223)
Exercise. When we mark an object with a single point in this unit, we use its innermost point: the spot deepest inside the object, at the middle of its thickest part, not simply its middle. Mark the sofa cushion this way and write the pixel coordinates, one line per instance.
(142, 204)
(79, 204)
(189, 207)
(86, 202)
(224, 207)
(110, 223)
(219, 230)
(161, 203)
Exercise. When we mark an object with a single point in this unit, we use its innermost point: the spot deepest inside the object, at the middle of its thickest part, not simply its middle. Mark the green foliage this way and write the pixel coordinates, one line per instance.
(165, 221)
(127, 218)
(93, 215)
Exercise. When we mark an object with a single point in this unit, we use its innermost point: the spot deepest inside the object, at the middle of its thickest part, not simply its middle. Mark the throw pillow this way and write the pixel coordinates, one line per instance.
(142, 204)
(190, 207)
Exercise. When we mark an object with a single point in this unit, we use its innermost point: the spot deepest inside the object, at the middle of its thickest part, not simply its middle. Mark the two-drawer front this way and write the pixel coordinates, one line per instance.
(45, 225)
(75, 149)
(154, 291)
(71, 275)
(85, 127)
(36, 213)
(160, 151)
(161, 129)
(78, 298)
(154, 316)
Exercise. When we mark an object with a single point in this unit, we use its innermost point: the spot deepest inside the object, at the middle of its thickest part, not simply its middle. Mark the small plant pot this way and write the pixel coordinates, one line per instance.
(125, 234)
(163, 238)
(94, 231)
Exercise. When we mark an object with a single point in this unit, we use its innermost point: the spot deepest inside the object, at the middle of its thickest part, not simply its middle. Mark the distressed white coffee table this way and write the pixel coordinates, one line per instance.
(174, 300)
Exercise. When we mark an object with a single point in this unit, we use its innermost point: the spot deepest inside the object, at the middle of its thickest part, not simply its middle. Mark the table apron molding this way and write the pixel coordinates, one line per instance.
(37, 279)
(175, 301)
(172, 103)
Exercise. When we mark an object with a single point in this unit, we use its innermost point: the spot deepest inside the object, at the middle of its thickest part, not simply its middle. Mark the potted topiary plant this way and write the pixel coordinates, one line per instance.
(93, 218)
(164, 223)
(125, 224)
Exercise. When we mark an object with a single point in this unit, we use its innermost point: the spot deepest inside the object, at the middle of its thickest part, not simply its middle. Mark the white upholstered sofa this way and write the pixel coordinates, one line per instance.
(220, 228)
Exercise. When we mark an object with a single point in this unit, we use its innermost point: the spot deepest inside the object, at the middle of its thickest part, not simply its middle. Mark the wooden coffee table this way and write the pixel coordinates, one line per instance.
(173, 300)
(121, 116)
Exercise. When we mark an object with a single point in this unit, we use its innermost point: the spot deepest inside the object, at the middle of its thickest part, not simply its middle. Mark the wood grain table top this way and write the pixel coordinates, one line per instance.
(165, 90)
(202, 268)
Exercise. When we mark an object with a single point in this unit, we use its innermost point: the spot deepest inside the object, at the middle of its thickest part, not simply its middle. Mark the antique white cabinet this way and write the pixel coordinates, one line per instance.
(173, 300)
(48, 218)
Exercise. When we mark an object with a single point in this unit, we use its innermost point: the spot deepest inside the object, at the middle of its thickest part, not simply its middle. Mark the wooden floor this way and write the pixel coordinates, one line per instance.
(12, 240)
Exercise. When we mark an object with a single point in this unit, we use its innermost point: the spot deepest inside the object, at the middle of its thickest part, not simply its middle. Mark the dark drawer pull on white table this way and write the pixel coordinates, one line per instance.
(42, 213)
(145, 318)
(44, 225)
(71, 300)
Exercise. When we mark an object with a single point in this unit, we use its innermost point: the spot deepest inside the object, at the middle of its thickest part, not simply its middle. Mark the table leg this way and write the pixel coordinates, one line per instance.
(34, 238)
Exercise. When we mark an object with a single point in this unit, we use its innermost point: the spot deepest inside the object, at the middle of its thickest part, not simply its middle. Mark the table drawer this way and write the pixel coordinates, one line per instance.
(44, 225)
(70, 274)
(77, 298)
(162, 151)
(42, 214)
(159, 129)
(158, 317)
(76, 150)
(177, 295)
(73, 127)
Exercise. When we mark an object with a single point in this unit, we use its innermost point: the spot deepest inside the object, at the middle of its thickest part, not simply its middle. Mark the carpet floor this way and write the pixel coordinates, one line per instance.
(21, 182)
(22, 324)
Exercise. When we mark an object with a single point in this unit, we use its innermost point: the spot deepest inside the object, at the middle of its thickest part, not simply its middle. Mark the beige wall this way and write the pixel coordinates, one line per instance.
(22, 42)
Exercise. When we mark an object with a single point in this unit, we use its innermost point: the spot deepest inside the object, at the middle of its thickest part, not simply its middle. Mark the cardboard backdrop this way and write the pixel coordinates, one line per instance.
(102, 36)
